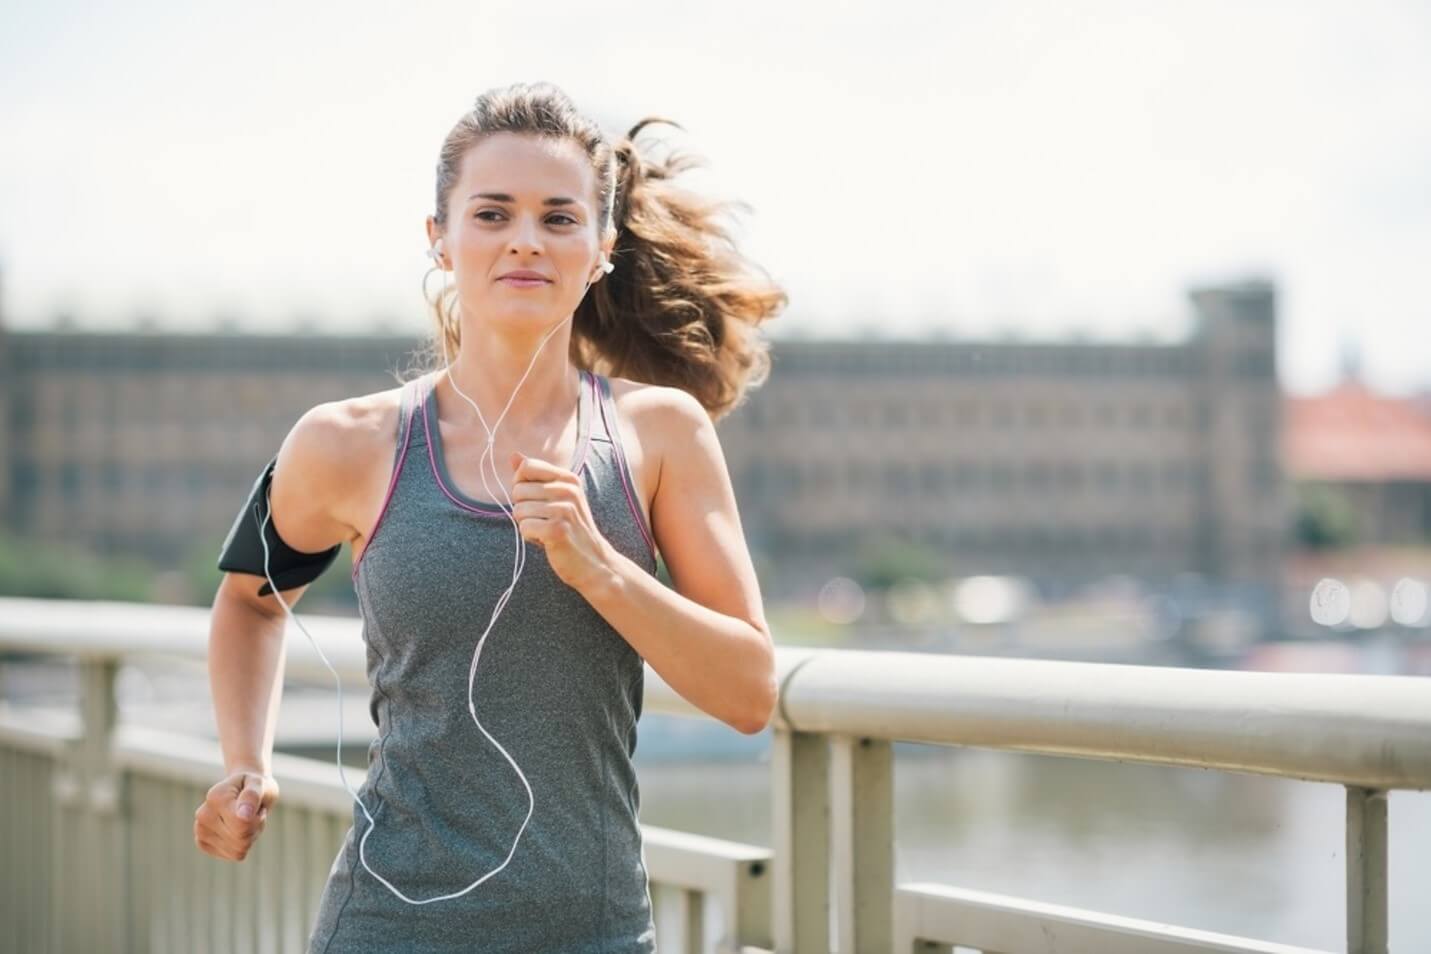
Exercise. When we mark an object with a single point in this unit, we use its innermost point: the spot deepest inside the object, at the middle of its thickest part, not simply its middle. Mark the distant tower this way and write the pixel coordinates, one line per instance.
(1245, 509)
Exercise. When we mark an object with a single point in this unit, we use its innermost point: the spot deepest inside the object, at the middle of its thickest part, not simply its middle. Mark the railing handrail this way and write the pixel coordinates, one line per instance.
(1371, 731)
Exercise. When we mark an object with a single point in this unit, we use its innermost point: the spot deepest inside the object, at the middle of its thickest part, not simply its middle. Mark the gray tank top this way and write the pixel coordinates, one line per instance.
(556, 685)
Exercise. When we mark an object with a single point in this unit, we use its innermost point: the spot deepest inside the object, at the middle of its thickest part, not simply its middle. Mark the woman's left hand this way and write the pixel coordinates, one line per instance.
(551, 509)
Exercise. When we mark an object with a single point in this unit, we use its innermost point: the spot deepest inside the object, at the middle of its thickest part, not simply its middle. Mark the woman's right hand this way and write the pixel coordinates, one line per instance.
(233, 814)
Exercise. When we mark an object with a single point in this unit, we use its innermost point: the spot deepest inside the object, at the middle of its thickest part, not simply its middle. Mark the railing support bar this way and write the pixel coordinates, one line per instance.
(1366, 871)
(862, 795)
(800, 829)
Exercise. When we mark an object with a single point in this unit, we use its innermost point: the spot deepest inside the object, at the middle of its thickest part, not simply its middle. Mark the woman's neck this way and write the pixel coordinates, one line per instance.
(490, 370)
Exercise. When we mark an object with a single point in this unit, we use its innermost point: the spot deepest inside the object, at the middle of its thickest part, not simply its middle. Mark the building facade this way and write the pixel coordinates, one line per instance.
(1063, 462)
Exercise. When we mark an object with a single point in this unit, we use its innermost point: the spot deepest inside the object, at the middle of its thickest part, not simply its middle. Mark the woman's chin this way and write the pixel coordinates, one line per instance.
(529, 316)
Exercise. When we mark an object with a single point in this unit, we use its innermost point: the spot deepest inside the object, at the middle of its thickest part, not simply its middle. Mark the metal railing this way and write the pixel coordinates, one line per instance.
(99, 851)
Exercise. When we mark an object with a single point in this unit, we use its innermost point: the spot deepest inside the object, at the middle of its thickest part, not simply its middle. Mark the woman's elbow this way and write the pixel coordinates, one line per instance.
(758, 716)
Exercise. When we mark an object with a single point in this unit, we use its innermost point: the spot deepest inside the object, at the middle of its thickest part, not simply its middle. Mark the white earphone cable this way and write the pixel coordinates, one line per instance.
(519, 564)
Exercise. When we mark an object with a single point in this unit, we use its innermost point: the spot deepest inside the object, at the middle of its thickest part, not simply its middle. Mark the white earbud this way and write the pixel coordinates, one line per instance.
(435, 253)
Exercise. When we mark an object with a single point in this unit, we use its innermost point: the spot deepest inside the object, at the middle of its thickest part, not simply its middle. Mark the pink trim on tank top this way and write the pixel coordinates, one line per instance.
(621, 468)
(392, 482)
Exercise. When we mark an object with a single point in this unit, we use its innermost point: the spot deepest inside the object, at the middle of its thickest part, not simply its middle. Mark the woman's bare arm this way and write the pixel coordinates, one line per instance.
(246, 631)
(707, 635)
(246, 660)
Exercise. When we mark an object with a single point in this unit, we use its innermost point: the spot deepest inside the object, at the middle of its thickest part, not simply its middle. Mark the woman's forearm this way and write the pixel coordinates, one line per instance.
(246, 661)
(721, 664)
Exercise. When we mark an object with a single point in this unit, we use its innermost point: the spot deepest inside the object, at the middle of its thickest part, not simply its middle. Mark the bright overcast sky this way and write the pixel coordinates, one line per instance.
(982, 168)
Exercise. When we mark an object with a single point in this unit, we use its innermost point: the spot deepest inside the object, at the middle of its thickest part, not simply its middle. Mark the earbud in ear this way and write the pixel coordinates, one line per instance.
(435, 253)
(607, 267)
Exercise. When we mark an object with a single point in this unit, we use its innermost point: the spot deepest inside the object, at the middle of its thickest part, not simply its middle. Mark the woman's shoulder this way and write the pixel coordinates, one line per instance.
(661, 419)
(654, 405)
(359, 428)
(374, 414)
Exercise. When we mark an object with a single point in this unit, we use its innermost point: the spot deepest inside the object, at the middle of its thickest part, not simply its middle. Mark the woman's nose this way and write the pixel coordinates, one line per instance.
(525, 234)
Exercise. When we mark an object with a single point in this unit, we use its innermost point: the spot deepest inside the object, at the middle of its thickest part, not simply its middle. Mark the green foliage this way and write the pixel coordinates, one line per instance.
(881, 561)
(1324, 518)
(43, 570)
(199, 569)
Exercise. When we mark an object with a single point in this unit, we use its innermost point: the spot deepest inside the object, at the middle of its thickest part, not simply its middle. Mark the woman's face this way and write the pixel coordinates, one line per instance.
(522, 203)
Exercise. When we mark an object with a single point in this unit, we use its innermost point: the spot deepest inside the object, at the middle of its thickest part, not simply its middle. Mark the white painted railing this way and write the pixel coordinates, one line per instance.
(100, 815)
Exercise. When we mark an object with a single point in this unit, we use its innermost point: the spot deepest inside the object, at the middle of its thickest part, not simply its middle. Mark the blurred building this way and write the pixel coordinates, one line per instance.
(1064, 462)
(1061, 461)
(148, 443)
(1364, 459)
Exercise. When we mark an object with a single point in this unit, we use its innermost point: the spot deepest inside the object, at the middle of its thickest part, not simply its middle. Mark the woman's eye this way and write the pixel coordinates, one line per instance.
(565, 219)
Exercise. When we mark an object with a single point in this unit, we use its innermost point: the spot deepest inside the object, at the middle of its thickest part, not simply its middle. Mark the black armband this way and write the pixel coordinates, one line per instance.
(242, 551)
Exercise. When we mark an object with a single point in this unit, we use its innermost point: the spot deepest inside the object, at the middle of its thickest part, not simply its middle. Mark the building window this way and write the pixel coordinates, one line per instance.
(1140, 477)
(932, 478)
(197, 478)
(22, 412)
(70, 477)
(1264, 475)
(24, 477)
(897, 478)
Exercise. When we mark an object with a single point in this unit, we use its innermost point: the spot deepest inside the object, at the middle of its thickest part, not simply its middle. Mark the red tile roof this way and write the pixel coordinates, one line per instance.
(1351, 434)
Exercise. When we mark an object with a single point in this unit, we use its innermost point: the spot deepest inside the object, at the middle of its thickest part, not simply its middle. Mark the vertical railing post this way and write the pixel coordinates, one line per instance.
(800, 828)
(89, 910)
(1366, 871)
(862, 803)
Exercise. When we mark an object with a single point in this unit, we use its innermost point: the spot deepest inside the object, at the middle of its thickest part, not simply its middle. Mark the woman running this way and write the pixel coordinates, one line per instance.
(505, 510)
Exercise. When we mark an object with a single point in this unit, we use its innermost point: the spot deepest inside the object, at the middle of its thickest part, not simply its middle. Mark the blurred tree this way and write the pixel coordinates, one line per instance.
(1324, 519)
(883, 560)
(43, 570)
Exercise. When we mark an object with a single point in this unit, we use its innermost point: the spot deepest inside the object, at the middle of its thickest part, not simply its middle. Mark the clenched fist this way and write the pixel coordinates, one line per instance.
(233, 814)
(551, 509)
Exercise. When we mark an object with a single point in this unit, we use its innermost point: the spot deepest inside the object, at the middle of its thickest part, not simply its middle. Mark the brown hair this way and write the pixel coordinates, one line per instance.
(683, 306)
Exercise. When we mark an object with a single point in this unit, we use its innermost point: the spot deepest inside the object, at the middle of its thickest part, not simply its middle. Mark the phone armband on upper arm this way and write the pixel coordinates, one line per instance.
(242, 550)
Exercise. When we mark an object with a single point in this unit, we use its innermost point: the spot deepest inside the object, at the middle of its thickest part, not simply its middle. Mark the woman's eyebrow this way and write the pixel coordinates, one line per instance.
(504, 197)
